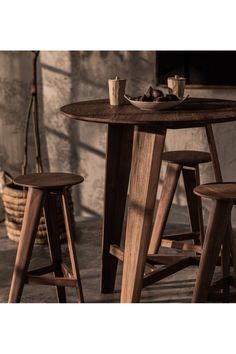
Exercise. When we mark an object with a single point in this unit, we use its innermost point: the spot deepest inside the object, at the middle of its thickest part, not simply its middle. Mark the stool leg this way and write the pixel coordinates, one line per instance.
(32, 214)
(71, 247)
(190, 176)
(199, 207)
(225, 260)
(217, 225)
(54, 241)
(213, 152)
(167, 195)
(232, 248)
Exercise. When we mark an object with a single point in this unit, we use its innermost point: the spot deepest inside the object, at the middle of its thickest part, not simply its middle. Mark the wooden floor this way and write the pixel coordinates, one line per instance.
(176, 288)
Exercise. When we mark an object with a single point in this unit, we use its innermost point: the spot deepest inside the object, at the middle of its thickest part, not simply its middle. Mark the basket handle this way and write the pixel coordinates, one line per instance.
(6, 177)
(33, 106)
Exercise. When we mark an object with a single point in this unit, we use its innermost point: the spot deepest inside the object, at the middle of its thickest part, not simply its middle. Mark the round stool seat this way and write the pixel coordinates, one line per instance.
(187, 157)
(218, 191)
(50, 180)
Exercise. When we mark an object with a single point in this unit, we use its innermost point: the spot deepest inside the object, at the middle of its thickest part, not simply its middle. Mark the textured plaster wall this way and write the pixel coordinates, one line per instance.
(67, 145)
(79, 147)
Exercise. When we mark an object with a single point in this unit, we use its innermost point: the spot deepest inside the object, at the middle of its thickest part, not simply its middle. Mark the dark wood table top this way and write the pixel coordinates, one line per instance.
(192, 112)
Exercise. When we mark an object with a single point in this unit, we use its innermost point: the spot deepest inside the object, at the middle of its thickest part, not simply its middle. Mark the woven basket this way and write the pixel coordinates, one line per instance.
(14, 201)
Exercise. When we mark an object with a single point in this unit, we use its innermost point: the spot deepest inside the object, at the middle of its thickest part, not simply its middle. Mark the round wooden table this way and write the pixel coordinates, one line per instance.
(135, 143)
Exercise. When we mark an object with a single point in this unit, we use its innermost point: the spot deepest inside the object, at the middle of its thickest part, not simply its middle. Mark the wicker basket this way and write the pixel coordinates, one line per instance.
(14, 200)
(14, 197)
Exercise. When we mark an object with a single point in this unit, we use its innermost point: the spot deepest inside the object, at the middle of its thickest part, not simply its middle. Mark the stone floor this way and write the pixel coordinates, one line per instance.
(175, 288)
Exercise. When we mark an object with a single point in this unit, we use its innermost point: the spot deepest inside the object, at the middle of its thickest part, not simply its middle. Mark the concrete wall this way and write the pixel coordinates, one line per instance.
(79, 147)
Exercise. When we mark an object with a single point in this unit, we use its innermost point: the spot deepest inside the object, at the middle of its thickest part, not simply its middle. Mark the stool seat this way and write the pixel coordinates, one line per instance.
(187, 158)
(50, 180)
(218, 191)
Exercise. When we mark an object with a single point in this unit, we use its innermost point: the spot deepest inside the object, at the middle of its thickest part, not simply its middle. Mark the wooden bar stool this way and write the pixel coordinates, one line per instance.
(186, 162)
(43, 190)
(217, 239)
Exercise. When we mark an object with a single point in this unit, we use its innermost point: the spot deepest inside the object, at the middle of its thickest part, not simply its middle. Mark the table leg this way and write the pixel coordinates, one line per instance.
(213, 152)
(146, 165)
(118, 162)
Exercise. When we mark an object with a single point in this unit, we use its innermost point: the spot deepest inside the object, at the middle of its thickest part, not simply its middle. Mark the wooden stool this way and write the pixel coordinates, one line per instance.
(186, 162)
(43, 189)
(217, 236)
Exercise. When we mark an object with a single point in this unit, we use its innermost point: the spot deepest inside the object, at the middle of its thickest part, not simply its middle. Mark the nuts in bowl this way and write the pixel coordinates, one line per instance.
(154, 99)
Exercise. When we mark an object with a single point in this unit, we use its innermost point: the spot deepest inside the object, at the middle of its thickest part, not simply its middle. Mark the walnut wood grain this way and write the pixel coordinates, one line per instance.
(45, 199)
(219, 179)
(52, 180)
(145, 170)
(157, 275)
(187, 157)
(213, 152)
(70, 234)
(118, 163)
(194, 112)
(191, 179)
(117, 252)
(33, 211)
(56, 281)
(225, 263)
(166, 198)
(54, 243)
(217, 225)
(186, 161)
(181, 246)
(201, 229)
(218, 191)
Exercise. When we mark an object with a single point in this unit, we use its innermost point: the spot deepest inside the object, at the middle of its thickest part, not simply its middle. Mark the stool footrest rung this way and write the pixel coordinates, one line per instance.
(65, 271)
(182, 237)
(56, 281)
(169, 259)
(43, 270)
(181, 246)
(118, 252)
(173, 263)
(163, 273)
